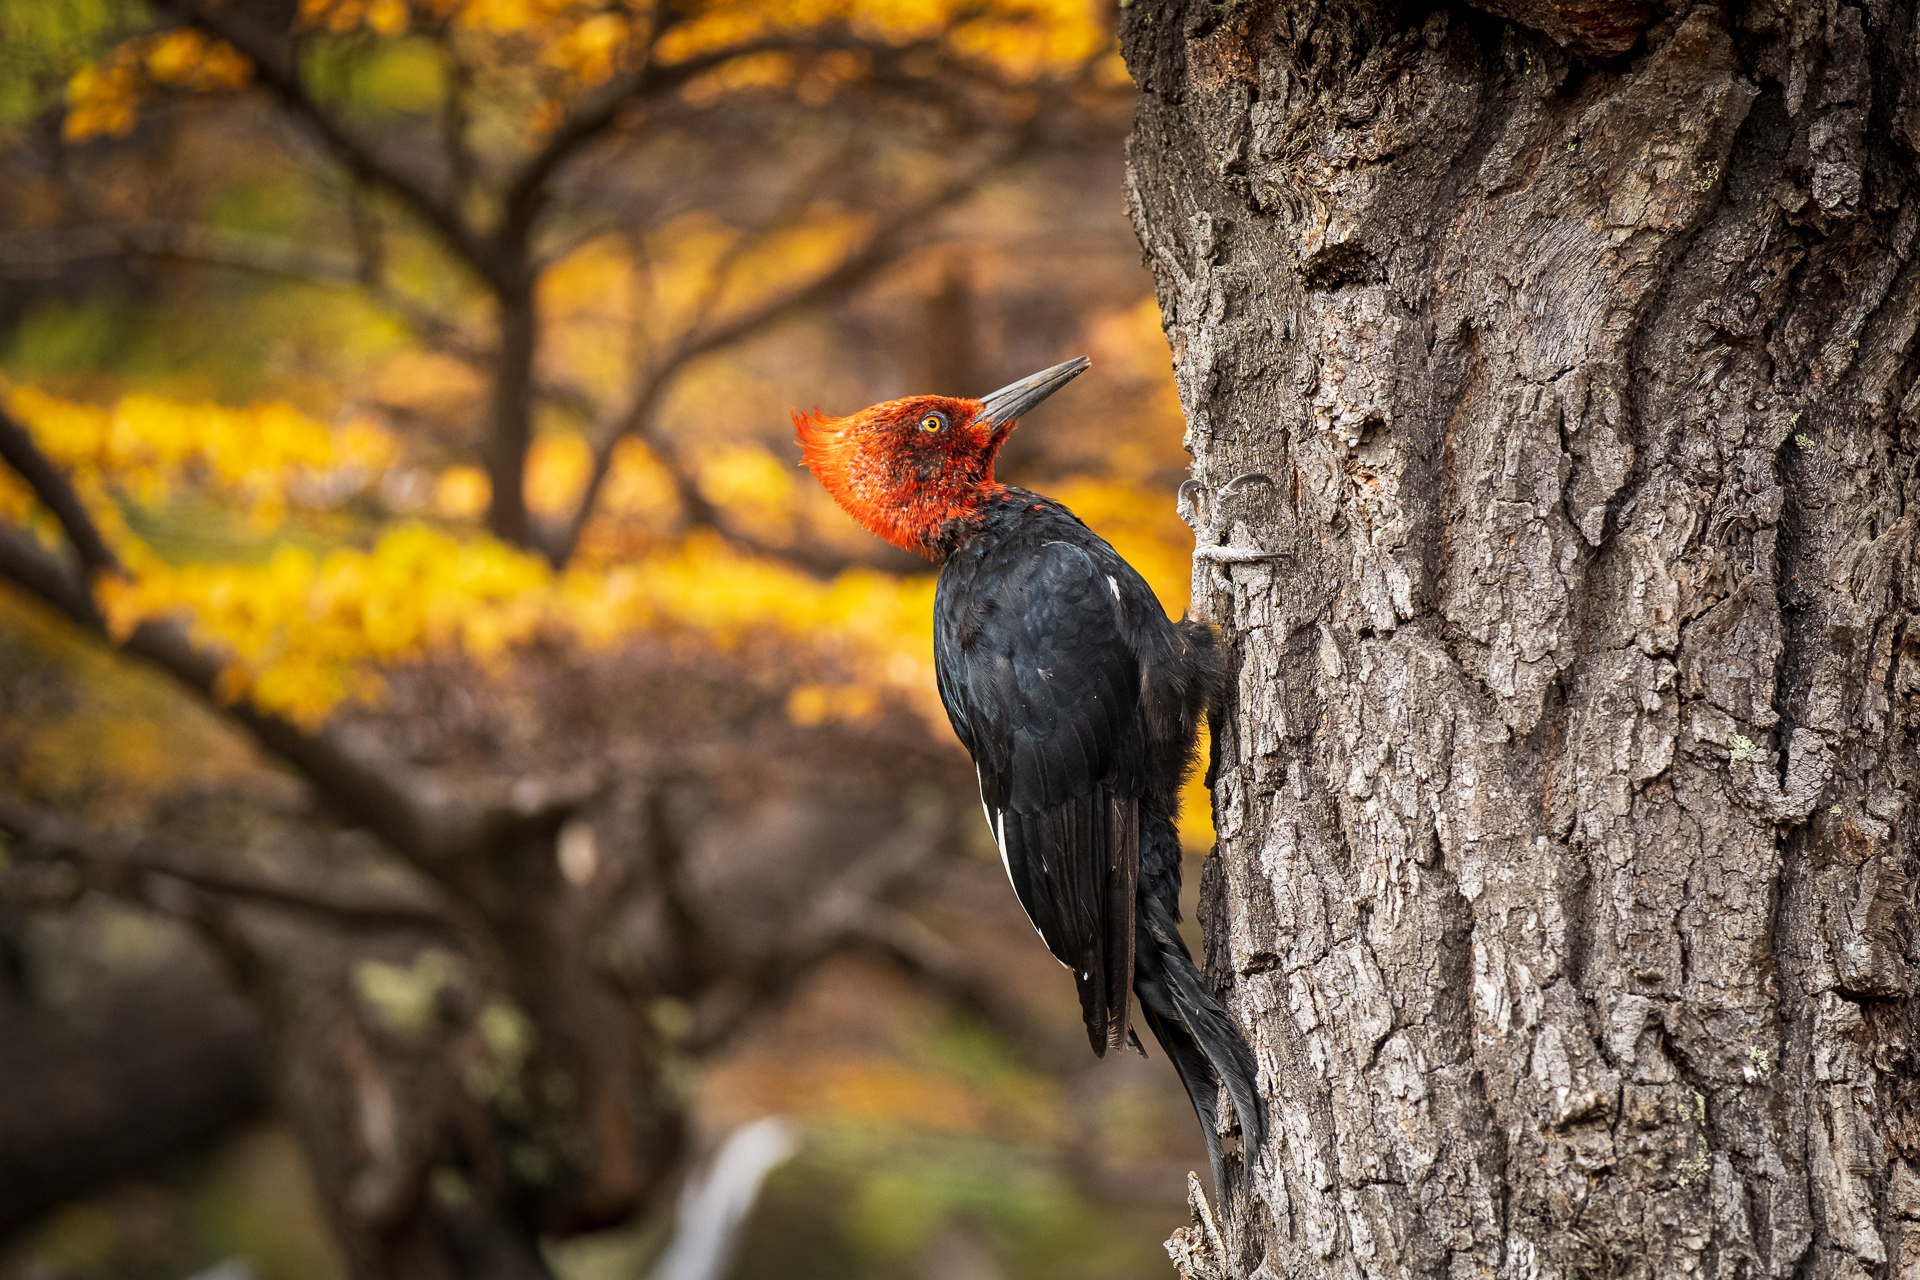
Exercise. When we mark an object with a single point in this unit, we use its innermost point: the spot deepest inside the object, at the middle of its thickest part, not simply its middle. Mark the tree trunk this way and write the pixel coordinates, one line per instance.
(122, 1085)
(510, 433)
(1565, 871)
(447, 1140)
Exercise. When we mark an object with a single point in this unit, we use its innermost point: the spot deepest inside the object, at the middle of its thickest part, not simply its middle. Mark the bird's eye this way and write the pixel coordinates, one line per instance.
(933, 422)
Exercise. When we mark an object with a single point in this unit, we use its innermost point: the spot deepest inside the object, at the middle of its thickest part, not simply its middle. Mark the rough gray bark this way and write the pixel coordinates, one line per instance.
(1566, 857)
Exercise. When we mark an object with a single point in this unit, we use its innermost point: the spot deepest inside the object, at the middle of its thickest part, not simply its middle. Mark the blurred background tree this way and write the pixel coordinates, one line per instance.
(453, 768)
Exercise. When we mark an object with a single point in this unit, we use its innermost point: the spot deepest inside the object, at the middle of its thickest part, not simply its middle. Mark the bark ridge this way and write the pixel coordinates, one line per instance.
(1566, 864)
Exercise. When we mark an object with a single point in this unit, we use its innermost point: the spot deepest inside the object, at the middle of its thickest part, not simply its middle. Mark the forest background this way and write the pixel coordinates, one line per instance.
(454, 768)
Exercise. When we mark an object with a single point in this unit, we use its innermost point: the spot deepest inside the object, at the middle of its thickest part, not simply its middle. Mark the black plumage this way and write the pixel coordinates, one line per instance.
(1079, 700)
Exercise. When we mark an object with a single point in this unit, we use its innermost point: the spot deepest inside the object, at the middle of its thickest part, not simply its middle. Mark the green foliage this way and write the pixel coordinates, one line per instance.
(66, 338)
(374, 80)
(42, 42)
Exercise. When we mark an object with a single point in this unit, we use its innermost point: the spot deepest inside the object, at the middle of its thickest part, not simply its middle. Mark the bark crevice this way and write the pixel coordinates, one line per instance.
(1565, 870)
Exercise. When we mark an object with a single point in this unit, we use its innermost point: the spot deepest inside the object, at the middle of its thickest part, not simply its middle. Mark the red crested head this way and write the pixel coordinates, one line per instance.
(907, 469)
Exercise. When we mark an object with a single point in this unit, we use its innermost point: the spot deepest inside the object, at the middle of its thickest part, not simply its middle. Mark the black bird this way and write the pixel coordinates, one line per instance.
(1079, 701)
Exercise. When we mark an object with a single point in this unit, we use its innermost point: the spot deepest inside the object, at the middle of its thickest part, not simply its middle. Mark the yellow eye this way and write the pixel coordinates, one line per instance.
(932, 422)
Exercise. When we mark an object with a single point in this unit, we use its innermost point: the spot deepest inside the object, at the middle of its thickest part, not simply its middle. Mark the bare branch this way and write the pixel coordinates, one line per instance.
(527, 193)
(56, 493)
(41, 253)
(831, 923)
(367, 791)
(882, 249)
(43, 575)
(787, 214)
(153, 1067)
(137, 868)
(281, 76)
(369, 244)
(454, 118)
(690, 948)
(420, 820)
(370, 792)
(32, 254)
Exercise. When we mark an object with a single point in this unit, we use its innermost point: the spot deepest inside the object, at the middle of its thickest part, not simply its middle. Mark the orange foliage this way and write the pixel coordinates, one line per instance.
(588, 44)
(105, 98)
(1023, 38)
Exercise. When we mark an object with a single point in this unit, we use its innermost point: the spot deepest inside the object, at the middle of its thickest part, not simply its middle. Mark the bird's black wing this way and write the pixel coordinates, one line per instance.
(1043, 688)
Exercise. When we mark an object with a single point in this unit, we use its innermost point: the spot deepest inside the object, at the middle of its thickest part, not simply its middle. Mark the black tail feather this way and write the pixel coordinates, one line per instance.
(1196, 1073)
(1199, 1038)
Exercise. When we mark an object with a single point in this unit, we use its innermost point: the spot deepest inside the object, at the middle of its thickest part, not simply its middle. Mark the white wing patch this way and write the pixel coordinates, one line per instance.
(997, 823)
(1115, 584)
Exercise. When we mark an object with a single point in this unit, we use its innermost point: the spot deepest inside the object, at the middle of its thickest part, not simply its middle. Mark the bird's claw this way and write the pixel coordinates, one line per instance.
(1192, 492)
(1185, 505)
(1205, 531)
(1239, 484)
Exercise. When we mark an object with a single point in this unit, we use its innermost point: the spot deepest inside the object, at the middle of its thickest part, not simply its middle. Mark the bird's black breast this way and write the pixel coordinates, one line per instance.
(1044, 639)
(1036, 656)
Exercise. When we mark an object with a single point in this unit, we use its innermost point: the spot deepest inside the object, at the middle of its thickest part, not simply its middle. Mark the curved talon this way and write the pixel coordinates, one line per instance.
(1205, 531)
(1238, 485)
(1185, 505)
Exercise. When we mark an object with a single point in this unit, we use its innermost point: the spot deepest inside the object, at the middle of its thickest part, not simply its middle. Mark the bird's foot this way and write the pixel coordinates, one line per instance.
(1207, 528)
(1192, 493)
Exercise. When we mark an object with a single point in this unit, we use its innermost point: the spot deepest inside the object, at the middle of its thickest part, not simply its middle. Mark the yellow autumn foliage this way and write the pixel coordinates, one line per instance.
(594, 49)
(588, 43)
(385, 17)
(1018, 37)
(104, 98)
(184, 58)
(557, 468)
(462, 492)
(616, 300)
(258, 458)
(636, 485)
(305, 630)
(736, 476)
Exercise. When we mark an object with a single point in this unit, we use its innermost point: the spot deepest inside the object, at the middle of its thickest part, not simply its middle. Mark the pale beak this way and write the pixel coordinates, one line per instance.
(1009, 402)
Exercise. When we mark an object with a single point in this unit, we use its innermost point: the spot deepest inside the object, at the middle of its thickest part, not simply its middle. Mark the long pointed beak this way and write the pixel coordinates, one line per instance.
(1015, 399)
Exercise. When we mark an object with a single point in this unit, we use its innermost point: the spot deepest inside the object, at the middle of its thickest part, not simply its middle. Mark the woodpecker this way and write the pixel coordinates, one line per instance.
(1079, 701)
